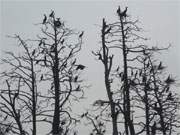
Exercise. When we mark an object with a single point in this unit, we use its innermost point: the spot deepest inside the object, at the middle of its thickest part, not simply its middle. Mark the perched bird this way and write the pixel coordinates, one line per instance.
(86, 114)
(33, 52)
(81, 67)
(52, 14)
(100, 56)
(41, 77)
(78, 88)
(45, 63)
(108, 30)
(80, 35)
(118, 10)
(16, 95)
(75, 79)
(169, 97)
(62, 41)
(169, 80)
(45, 19)
(123, 14)
(117, 69)
(74, 62)
(57, 23)
(160, 67)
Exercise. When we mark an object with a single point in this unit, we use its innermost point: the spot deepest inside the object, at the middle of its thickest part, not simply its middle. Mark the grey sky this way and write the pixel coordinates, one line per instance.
(161, 20)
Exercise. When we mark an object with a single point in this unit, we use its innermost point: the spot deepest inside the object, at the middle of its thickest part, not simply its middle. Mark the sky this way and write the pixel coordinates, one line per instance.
(159, 18)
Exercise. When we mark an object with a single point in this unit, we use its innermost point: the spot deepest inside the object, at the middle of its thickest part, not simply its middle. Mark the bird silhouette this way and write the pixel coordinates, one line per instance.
(16, 95)
(169, 80)
(57, 23)
(160, 67)
(45, 19)
(33, 52)
(118, 10)
(80, 35)
(62, 41)
(41, 77)
(123, 14)
(52, 14)
(81, 67)
(74, 62)
(75, 79)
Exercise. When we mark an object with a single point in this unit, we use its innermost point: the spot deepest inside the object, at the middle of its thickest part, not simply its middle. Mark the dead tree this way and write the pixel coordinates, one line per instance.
(107, 60)
(58, 46)
(19, 96)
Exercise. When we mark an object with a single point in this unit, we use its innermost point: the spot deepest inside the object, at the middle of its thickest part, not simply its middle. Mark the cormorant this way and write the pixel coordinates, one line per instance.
(57, 23)
(52, 14)
(81, 67)
(45, 19)
(81, 34)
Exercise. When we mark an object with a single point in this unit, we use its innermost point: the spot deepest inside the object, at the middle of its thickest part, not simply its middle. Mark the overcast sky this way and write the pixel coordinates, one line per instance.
(161, 20)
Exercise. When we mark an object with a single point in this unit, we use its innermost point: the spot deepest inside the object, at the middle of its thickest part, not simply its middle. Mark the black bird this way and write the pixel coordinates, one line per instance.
(123, 14)
(118, 10)
(16, 95)
(117, 69)
(45, 61)
(57, 23)
(81, 67)
(45, 19)
(169, 80)
(108, 30)
(74, 62)
(169, 97)
(52, 14)
(80, 36)
(100, 56)
(33, 52)
(75, 79)
(78, 88)
(41, 77)
(62, 41)
(86, 114)
(160, 67)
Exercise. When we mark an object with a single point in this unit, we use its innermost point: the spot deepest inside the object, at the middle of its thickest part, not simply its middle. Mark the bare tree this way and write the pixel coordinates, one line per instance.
(58, 46)
(19, 96)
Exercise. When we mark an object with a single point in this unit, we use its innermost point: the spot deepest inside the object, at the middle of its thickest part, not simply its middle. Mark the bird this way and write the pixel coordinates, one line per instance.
(33, 52)
(62, 41)
(108, 30)
(169, 80)
(123, 14)
(45, 19)
(52, 14)
(81, 67)
(75, 79)
(16, 95)
(74, 62)
(45, 63)
(160, 67)
(78, 88)
(117, 69)
(41, 77)
(80, 35)
(169, 97)
(118, 10)
(100, 56)
(57, 23)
